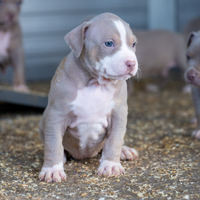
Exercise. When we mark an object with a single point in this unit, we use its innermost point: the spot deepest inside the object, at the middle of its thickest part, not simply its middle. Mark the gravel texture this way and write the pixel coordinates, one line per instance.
(158, 127)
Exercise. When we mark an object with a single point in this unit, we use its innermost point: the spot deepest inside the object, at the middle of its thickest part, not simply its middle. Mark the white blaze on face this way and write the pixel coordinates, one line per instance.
(115, 66)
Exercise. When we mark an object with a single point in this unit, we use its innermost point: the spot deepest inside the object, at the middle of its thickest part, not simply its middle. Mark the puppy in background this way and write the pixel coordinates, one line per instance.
(158, 51)
(11, 49)
(192, 74)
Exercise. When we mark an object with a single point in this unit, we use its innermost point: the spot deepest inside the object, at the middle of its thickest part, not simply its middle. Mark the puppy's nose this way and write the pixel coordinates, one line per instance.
(191, 76)
(11, 16)
(130, 64)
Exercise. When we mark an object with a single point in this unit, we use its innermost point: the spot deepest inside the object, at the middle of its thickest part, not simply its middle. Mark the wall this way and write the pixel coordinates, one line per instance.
(186, 11)
(45, 23)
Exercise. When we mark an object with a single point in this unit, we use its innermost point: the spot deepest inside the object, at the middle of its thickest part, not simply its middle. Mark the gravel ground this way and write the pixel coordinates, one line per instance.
(158, 127)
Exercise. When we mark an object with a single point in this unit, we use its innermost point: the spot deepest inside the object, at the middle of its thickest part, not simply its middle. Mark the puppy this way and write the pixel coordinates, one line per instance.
(87, 107)
(192, 74)
(11, 49)
(158, 52)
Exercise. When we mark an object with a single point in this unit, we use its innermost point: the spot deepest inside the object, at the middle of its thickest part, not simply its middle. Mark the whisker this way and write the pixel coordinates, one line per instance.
(138, 74)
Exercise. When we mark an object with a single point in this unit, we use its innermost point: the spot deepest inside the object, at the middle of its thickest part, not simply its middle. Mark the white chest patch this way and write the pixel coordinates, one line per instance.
(5, 42)
(93, 104)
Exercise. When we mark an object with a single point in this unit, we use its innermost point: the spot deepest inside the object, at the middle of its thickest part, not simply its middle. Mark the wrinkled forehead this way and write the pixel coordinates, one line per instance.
(110, 28)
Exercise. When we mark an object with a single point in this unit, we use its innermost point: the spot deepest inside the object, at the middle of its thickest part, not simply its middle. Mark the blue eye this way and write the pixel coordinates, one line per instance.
(134, 44)
(109, 44)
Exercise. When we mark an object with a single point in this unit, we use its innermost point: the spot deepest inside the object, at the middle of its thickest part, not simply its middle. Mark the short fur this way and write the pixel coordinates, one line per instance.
(11, 50)
(87, 108)
(192, 74)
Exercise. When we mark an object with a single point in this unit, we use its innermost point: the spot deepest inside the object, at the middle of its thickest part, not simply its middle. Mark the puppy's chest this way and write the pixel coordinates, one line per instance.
(93, 104)
(5, 38)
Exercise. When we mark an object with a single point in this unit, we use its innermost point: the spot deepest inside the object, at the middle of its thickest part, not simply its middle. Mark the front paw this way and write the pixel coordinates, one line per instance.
(109, 168)
(128, 153)
(20, 88)
(152, 88)
(196, 134)
(55, 173)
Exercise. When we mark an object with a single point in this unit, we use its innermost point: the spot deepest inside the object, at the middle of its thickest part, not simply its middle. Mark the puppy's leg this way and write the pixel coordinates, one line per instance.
(196, 102)
(52, 134)
(17, 61)
(110, 160)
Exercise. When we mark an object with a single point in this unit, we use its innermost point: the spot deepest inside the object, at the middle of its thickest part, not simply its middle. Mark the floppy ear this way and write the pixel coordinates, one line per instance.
(190, 37)
(75, 38)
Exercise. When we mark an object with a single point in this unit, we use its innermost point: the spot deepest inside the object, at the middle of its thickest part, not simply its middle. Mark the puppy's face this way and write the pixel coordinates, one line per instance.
(109, 48)
(9, 10)
(192, 74)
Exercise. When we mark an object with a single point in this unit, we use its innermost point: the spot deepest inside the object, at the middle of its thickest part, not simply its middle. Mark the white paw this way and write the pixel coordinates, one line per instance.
(196, 134)
(193, 121)
(21, 88)
(152, 88)
(109, 168)
(187, 89)
(55, 173)
(128, 153)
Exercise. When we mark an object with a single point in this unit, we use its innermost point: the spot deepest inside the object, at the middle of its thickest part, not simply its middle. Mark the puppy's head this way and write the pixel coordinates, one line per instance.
(106, 45)
(192, 74)
(9, 10)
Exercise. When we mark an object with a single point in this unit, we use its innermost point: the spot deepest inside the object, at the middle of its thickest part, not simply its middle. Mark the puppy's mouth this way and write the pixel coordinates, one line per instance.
(107, 79)
(118, 77)
(192, 76)
(196, 83)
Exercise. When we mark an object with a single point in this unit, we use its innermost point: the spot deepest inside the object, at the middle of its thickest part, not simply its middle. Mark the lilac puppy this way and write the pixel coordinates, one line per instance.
(11, 48)
(87, 108)
(192, 74)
